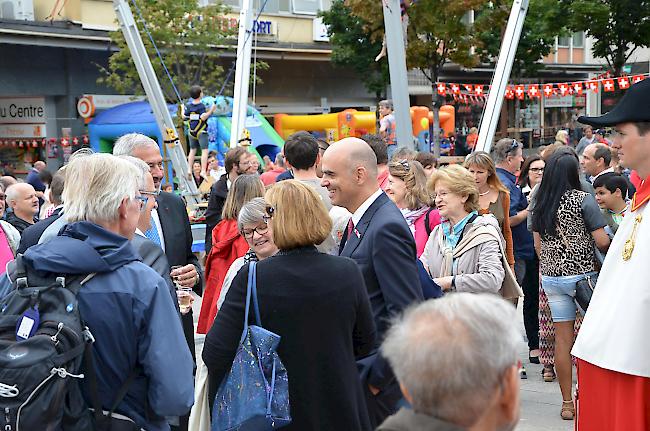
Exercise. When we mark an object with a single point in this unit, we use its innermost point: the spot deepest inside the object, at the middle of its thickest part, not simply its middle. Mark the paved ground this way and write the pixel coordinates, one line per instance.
(540, 401)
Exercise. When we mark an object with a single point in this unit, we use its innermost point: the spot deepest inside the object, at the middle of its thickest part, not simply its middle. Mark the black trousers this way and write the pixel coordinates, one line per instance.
(527, 272)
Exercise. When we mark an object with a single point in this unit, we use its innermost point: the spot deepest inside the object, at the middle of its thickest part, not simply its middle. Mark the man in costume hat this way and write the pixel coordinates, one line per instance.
(613, 346)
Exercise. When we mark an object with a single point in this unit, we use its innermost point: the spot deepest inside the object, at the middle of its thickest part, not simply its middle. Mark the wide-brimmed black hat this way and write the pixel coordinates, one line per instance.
(634, 107)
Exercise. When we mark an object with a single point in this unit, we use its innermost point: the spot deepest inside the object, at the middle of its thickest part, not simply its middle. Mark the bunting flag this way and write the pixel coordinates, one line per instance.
(42, 142)
(476, 93)
(623, 83)
(548, 90)
(520, 92)
(608, 85)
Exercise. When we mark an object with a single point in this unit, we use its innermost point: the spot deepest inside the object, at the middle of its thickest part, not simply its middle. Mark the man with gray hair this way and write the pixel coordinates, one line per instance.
(435, 349)
(125, 304)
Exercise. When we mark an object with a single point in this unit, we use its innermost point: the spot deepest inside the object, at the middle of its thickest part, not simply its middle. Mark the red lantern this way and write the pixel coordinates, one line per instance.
(468, 88)
(442, 89)
(455, 89)
(593, 86)
(34, 143)
(637, 78)
(533, 91)
(478, 90)
(510, 94)
(608, 85)
(85, 140)
(75, 141)
(64, 142)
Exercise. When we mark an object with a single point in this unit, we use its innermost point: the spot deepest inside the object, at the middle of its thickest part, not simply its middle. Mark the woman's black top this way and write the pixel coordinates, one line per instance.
(318, 304)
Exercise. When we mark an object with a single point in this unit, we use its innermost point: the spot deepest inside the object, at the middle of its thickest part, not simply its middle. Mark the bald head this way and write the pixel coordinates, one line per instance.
(21, 197)
(357, 153)
(349, 173)
(39, 166)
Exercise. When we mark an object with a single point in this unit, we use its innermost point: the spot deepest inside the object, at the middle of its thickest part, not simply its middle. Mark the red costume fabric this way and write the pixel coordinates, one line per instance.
(227, 245)
(642, 194)
(625, 408)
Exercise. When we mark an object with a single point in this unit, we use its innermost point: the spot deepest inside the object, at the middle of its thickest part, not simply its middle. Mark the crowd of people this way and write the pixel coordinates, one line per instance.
(392, 283)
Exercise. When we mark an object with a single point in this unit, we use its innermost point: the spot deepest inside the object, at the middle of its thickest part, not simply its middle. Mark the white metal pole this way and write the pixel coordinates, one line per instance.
(242, 71)
(490, 118)
(398, 76)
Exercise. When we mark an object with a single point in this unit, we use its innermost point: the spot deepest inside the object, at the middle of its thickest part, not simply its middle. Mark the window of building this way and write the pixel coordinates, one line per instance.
(307, 7)
(563, 41)
(578, 39)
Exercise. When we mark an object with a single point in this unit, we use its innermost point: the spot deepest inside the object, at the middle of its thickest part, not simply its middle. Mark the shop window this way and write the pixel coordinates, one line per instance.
(273, 6)
(307, 7)
(563, 41)
(578, 39)
(325, 4)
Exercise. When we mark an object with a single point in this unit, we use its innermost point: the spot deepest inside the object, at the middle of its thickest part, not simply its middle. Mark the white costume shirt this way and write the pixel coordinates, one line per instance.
(614, 333)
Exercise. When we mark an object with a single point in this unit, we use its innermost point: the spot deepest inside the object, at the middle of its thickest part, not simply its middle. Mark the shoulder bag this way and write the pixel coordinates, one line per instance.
(254, 395)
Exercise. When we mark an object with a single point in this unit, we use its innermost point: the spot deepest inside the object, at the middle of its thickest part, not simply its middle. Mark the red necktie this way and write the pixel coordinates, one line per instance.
(350, 227)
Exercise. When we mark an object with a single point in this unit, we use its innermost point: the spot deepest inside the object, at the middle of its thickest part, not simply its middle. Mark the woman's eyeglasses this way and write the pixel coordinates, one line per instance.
(249, 233)
(536, 170)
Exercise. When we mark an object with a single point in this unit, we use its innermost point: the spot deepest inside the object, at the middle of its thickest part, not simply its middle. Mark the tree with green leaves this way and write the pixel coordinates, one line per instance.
(545, 20)
(353, 46)
(619, 27)
(438, 33)
(186, 35)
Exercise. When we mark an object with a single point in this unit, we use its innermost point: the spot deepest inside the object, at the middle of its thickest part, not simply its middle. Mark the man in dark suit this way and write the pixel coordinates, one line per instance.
(379, 240)
(170, 226)
(32, 234)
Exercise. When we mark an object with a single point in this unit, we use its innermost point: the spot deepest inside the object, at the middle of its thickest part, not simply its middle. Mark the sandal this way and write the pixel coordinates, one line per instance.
(568, 411)
(548, 373)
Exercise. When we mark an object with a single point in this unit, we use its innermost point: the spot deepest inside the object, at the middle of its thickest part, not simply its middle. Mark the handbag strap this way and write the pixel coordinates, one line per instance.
(251, 290)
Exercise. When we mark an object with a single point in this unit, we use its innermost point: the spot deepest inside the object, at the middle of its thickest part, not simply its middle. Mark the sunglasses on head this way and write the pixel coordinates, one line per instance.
(513, 146)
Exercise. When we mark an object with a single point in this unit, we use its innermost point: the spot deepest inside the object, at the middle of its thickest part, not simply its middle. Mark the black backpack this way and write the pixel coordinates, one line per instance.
(41, 370)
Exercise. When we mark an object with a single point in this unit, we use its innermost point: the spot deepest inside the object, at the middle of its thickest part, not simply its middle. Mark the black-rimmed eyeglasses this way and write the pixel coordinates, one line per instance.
(260, 230)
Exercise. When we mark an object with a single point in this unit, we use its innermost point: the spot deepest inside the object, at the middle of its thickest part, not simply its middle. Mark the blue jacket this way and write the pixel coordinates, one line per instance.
(128, 309)
(522, 238)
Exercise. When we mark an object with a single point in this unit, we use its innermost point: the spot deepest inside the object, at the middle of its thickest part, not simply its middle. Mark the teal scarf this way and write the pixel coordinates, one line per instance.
(452, 235)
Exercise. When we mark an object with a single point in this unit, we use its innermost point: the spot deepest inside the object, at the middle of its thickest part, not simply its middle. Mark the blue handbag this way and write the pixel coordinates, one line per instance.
(254, 395)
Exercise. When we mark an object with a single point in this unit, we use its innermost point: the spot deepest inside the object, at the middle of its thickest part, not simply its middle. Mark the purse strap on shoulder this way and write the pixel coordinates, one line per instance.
(251, 291)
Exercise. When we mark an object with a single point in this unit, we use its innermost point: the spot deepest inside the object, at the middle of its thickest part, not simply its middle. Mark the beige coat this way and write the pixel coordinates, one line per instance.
(478, 270)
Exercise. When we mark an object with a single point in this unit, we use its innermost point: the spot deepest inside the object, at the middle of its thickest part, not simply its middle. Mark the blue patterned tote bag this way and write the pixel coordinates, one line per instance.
(254, 395)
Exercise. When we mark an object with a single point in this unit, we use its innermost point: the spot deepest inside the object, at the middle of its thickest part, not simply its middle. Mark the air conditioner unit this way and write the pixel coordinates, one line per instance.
(17, 9)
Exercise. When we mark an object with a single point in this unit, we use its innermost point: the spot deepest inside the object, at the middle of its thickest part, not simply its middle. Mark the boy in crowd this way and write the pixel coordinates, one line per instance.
(197, 114)
(611, 190)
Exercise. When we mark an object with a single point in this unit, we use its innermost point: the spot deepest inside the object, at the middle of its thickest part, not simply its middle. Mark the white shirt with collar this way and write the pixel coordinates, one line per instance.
(358, 214)
(606, 171)
(158, 226)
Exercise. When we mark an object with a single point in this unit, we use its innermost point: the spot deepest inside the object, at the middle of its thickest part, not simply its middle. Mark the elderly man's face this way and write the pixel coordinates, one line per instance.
(150, 154)
(26, 203)
(148, 192)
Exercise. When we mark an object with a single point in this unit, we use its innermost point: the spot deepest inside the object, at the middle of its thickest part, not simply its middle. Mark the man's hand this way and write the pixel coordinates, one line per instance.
(373, 390)
(186, 275)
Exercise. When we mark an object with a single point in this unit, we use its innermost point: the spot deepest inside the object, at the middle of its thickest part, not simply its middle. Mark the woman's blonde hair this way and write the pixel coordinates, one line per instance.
(562, 136)
(298, 215)
(460, 182)
(243, 189)
(482, 160)
(412, 173)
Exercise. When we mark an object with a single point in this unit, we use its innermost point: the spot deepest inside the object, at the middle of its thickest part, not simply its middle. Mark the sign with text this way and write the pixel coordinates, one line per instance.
(22, 110)
(22, 131)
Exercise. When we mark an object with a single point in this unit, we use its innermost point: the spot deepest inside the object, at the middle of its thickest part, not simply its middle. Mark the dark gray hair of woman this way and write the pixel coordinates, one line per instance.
(561, 173)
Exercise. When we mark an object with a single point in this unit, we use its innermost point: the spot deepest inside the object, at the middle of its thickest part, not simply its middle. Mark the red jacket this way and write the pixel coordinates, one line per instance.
(227, 245)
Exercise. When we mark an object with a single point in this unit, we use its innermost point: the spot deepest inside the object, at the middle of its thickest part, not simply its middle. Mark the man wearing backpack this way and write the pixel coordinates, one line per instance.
(125, 304)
